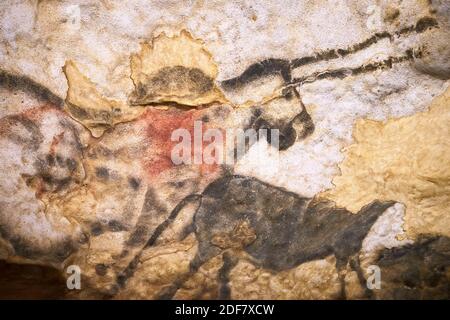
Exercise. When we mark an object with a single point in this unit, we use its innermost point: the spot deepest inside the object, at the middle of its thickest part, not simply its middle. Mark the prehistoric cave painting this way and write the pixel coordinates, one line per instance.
(416, 271)
(235, 213)
(57, 164)
(284, 68)
(13, 81)
(178, 70)
(277, 228)
(294, 126)
(409, 54)
(174, 69)
(49, 167)
(291, 130)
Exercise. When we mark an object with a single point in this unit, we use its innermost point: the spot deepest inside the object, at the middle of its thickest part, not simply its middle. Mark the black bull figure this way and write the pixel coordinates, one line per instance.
(278, 229)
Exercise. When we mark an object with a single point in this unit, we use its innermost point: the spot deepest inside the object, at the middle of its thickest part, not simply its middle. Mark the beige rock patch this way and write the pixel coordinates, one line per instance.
(174, 69)
(88, 106)
(311, 280)
(406, 160)
(161, 266)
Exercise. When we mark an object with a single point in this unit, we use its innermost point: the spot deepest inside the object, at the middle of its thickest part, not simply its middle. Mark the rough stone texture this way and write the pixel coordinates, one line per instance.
(91, 92)
(391, 161)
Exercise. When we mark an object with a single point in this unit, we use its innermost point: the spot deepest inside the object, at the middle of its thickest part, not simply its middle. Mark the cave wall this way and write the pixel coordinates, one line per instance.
(92, 92)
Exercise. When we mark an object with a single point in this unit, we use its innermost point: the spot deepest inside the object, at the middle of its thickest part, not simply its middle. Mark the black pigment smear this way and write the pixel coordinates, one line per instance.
(345, 72)
(172, 79)
(289, 130)
(30, 138)
(272, 66)
(229, 262)
(12, 81)
(102, 173)
(260, 69)
(416, 271)
(138, 236)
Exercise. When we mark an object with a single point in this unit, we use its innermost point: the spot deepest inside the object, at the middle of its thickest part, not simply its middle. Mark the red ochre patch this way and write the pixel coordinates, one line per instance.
(159, 126)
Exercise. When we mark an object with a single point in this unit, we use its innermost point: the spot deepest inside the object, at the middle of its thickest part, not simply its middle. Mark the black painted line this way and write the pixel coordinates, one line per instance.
(13, 81)
(284, 67)
(342, 73)
(128, 272)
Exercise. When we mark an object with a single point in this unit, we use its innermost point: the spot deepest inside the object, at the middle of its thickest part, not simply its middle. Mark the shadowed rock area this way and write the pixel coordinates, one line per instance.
(417, 271)
(31, 282)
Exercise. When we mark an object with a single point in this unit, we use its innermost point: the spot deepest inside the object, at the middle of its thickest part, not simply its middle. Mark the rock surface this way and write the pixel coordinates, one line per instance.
(358, 180)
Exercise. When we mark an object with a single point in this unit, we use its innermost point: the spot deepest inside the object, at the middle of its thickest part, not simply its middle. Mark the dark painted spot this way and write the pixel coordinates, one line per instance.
(63, 250)
(71, 164)
(425, 23)
(102, 173)
(96, 229)
(50, 160)
(121, 280)
(101, 269)
(60, 160)
(63, 184)
(47, 178)
(134, 183)
(116, 226)
(54, 184)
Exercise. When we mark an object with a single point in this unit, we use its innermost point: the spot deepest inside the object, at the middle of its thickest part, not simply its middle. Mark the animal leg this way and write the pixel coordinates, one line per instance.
(168, 292)
(229, 262)
(356, 266)
(172, 216)
(341, 267)
(131, 268)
